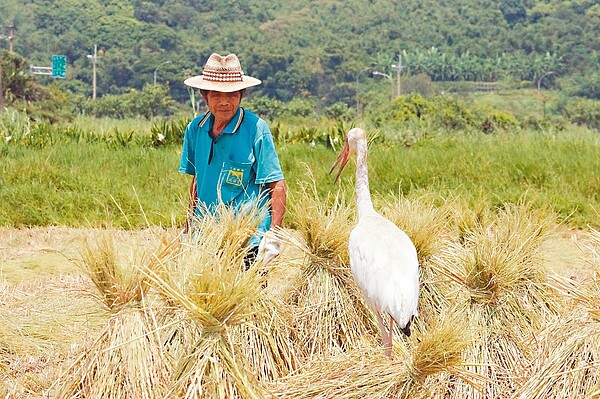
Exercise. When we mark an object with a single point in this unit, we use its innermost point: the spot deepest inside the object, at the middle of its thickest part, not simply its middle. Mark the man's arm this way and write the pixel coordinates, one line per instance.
(278, 191)
(192, 207)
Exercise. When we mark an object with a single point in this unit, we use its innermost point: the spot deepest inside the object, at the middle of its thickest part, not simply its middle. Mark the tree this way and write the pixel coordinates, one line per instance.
(17, 85)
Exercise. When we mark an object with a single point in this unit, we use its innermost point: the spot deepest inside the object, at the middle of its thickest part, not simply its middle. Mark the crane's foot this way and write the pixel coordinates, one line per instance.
(387, 345)
(388, 353)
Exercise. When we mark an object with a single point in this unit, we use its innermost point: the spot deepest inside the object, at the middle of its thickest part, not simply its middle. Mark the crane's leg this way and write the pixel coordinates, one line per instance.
(386, 338)
(388, 344)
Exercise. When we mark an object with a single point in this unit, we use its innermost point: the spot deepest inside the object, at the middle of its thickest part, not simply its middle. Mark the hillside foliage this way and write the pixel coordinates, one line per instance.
(311, 49)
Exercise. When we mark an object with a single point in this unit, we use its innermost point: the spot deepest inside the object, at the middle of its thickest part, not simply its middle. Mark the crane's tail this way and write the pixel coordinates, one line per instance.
(406, 329)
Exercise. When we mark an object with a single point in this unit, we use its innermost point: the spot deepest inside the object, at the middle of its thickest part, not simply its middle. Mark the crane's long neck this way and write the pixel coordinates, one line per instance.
(363, 195)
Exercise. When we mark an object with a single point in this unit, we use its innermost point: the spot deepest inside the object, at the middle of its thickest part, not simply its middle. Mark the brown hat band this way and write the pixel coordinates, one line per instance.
(222, 76)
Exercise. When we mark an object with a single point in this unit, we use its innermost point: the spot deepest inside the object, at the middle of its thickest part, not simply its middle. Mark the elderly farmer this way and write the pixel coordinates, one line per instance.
(230, 153)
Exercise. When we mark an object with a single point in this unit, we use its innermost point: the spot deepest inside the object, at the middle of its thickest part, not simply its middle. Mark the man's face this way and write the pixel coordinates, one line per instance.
(223, 105)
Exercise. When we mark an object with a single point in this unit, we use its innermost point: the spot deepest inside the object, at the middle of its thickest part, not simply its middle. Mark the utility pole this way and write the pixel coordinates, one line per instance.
(398, 71)
(94, 59)
(541, 101)
(1, 89)
(11, 37)
(156, 70)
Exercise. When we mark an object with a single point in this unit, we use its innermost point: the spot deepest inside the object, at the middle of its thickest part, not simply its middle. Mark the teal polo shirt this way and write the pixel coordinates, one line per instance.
(236, 167)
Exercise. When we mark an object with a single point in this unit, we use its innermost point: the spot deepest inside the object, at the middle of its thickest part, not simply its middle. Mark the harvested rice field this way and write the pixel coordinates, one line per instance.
(509, 308)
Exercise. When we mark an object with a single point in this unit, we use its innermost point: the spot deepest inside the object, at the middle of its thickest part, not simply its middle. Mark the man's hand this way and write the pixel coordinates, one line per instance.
(270, 246)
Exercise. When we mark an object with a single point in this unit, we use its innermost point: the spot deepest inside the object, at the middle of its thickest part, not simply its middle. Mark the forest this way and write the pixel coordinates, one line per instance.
(314, 51)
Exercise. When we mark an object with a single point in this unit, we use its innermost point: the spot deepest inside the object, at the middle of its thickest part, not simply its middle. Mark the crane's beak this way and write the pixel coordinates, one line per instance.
(341, 160)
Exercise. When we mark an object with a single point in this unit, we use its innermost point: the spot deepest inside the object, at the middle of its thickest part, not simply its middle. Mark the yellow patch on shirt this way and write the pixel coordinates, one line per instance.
(235, 177)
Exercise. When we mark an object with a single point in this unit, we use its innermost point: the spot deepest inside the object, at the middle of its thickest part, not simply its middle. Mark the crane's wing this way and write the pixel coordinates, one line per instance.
(385, 266)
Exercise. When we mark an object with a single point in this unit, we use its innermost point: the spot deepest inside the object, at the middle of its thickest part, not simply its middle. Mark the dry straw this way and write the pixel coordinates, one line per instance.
(329, 314)
(8, 337)
(496, 276)
(229, 335)
(42, 320)
(127, 359)
(265, 342)
(568, 361)
(567, 364)
(366, 373)
(426, 220)
(499, 264)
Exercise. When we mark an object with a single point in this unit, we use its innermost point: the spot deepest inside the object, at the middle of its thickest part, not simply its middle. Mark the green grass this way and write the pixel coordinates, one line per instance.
(559, 171)
(95, 184)
(521, 103)
(90, 185)
(105, 126)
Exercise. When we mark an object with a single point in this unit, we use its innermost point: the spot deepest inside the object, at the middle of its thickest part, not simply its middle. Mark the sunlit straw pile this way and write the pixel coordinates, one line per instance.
(426, 220)
(329, 313)
(568, 361)
(7, 337)
(365, 372)
(185, 320)
(238, 338)
(127, 358)
(497, 279)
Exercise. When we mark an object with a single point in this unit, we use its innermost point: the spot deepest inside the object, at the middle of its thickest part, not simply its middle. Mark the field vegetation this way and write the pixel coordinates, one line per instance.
(483, 121)
(101, 296)
(145, 314)
(98, 172)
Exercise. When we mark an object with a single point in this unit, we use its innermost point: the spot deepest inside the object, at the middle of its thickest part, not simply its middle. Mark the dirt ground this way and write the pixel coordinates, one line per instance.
(47, 313)
(28, 254)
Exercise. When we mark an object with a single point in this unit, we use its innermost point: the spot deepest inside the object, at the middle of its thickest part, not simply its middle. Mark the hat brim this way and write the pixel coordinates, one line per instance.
(226, 87)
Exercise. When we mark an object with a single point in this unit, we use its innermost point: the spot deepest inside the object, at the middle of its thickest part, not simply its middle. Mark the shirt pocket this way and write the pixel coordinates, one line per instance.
(234, 179)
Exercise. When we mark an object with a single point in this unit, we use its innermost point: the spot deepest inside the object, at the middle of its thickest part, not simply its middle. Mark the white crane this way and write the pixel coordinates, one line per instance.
(383, 259)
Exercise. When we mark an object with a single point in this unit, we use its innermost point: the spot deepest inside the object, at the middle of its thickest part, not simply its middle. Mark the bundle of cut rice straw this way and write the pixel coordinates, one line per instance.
(229, 335)
(495, 274)
(127, 359)
(366, 373)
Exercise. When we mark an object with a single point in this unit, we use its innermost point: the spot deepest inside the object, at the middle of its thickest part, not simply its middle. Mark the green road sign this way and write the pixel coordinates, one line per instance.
(59, 66)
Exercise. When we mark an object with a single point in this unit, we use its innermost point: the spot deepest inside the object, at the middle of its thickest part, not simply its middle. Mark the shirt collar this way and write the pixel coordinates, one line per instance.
(233, 125)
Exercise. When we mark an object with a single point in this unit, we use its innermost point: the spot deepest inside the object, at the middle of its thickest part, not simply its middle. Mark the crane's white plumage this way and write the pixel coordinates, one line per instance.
(383, 259)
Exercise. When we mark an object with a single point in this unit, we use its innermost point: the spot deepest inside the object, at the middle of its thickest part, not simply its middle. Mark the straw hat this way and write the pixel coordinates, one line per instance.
(222, 74)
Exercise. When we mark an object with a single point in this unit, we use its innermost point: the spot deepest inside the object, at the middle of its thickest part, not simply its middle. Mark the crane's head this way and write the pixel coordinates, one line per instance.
(353, 136)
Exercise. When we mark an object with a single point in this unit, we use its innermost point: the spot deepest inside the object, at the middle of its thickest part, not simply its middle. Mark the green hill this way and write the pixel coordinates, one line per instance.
(311, 48)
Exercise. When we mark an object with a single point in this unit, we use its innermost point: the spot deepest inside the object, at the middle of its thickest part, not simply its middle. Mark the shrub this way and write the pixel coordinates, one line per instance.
(298, 107)
(584, 85)
(451, 113)
(265, 107)
(493, 121)
(340, 111)
(16, 83)
(420, 83)
(152, 101)
(582, 111)
(168, 131)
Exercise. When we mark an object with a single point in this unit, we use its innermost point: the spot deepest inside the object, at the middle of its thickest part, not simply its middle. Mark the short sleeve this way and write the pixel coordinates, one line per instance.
(186, 164)
(268, 168)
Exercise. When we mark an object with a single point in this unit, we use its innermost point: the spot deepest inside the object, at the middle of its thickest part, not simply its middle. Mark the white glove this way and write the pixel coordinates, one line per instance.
(270, 247)
(184, 236)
